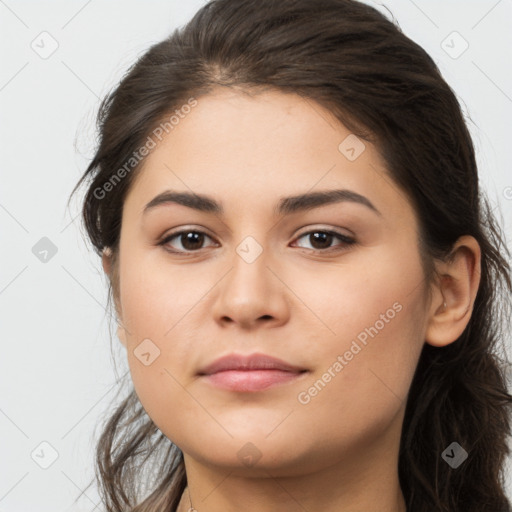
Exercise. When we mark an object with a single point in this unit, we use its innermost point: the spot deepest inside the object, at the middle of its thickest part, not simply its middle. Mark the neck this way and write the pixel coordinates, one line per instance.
(366, 479)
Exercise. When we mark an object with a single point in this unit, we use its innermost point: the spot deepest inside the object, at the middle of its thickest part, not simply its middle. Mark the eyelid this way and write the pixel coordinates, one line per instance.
(177, 231)
(202, 229)
(328, 229)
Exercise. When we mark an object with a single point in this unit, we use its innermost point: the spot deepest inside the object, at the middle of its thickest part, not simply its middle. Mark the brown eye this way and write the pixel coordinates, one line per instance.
(189, 240)
(321, 240)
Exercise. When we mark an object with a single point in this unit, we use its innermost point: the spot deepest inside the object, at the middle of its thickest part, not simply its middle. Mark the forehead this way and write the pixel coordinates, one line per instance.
(252, 150)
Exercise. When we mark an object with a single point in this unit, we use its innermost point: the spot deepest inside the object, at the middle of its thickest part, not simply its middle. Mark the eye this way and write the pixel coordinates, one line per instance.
(321, 239)
(193, 240)
(190, 240)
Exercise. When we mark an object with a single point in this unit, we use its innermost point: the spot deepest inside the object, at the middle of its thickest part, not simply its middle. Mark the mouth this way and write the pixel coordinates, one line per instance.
(255, 372)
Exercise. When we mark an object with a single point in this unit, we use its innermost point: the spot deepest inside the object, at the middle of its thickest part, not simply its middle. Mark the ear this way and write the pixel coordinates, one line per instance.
(454, 293)
(121, 334)
(106, 261)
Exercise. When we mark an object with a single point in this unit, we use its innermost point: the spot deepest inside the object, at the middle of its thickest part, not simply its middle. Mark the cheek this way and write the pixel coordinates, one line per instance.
(157, 296)
(364, 380)
(367, 365)
(158, 304)
(375, 296)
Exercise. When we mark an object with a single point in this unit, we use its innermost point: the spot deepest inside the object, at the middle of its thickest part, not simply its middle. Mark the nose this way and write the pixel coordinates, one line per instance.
(253, 294)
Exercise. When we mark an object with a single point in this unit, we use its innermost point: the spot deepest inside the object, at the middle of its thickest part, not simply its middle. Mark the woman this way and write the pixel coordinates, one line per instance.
(306, 275)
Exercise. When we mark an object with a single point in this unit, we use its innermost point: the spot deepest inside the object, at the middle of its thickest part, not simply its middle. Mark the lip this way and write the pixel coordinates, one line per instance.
(253, 372)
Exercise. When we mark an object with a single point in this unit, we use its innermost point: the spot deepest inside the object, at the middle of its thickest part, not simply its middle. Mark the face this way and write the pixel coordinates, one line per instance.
(335, 289)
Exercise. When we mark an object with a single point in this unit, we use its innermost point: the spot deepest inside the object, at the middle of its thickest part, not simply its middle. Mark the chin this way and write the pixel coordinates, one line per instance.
(252, 453)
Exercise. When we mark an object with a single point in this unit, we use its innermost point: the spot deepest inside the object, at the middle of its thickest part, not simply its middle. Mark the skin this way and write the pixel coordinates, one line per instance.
(339, 451)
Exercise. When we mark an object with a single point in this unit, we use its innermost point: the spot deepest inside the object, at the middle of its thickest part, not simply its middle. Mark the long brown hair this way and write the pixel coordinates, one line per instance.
(351, 59)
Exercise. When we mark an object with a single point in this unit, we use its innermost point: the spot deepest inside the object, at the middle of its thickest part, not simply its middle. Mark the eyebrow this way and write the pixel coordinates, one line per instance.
(285, 206)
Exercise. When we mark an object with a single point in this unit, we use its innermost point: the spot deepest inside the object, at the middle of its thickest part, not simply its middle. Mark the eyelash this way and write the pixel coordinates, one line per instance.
(347, 241)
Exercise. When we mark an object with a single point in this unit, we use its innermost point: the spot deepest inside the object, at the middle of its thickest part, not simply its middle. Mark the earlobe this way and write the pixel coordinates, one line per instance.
(106, 260)
(121, 334)
(454, 294)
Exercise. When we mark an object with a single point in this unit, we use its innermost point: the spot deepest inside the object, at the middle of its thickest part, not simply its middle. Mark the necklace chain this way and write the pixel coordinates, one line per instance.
(191, 509)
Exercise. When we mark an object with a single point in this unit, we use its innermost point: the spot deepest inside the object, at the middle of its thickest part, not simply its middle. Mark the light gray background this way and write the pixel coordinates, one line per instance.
(57, 376)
